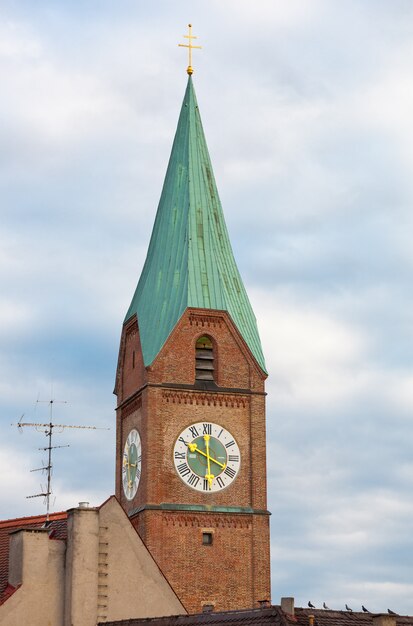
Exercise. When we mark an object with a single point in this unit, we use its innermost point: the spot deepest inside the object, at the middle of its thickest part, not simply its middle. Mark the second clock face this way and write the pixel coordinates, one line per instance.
(132, 464)
(206, 457)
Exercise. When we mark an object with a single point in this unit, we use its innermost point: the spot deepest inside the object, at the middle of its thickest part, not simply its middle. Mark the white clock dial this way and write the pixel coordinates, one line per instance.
(206, 457)
(132, 464)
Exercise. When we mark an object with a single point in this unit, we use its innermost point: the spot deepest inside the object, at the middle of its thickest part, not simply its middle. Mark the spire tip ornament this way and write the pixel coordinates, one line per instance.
(190, 37)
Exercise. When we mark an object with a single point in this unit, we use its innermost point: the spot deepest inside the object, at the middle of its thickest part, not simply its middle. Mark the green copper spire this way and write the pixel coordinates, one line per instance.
(190, 261)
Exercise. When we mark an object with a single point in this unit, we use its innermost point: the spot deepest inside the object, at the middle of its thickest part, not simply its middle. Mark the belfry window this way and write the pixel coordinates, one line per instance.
(204, 359)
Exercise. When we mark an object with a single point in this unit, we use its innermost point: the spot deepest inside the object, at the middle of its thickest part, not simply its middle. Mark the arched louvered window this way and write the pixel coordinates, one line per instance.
(204, 359)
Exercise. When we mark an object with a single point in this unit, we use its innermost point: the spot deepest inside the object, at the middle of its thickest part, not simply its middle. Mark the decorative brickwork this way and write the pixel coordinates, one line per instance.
(131, 407)
(207, 398)
(198, 520)
(205, 321)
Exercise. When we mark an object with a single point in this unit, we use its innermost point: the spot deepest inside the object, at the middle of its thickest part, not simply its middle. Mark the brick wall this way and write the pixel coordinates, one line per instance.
(160, 401)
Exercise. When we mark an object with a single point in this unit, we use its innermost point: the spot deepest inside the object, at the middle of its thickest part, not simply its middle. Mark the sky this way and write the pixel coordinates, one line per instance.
(307, 109)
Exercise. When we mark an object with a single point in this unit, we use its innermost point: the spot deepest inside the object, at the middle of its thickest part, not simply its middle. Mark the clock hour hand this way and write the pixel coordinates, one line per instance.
(194, 448)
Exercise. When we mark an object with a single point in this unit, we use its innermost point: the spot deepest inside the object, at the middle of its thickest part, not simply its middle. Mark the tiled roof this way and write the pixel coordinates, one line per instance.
(257, 617)
(268, 616)
(342, 618)
(58, 530)
(9, 590)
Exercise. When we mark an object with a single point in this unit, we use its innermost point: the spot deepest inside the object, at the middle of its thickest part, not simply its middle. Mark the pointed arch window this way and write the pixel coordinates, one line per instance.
(204, 359)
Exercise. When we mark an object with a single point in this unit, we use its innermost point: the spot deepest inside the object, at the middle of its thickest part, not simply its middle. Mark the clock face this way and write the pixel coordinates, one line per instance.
(132, 464)
(206, 457)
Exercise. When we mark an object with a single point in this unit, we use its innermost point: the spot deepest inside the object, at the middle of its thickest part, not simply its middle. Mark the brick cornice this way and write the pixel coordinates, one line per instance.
(205, 398)
(205, 320)
(132, 406)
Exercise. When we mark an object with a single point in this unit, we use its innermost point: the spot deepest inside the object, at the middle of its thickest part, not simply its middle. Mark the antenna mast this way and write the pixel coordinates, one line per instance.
(48, 429)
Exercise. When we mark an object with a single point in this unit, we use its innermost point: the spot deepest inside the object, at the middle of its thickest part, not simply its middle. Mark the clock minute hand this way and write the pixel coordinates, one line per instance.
(210, 477)
(194, 448)
(126, 462)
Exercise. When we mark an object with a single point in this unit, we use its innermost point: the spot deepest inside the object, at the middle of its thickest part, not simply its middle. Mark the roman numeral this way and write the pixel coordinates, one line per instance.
(234, 458)
(180, 455)
(193, 480)
(206, 429)
(220, 482)
(220, 433)
(183, 469)
(229, 444)
(139, 459)
(205, 485)
(138, 473)
(194, 431)
(229, 472)
(182, 440)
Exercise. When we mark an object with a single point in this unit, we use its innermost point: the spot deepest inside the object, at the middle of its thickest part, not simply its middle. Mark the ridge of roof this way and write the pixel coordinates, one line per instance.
(262, 615)
(34, 519)
(190, 263)
(331, 617)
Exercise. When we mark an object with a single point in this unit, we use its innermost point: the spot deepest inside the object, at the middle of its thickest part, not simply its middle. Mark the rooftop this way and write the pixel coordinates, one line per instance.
(273, 615)
(58, 530)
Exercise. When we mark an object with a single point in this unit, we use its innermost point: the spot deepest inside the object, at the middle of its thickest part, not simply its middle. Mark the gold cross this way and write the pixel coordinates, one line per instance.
(190, 47)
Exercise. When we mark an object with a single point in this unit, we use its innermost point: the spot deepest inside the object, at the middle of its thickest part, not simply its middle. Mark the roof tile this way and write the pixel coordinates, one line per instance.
(58, 530)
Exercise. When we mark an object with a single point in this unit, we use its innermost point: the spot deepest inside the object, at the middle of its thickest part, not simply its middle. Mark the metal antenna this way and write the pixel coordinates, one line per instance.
(48, 429)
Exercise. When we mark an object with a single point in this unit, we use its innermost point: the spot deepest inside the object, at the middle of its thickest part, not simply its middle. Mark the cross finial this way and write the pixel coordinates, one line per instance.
(190, 47)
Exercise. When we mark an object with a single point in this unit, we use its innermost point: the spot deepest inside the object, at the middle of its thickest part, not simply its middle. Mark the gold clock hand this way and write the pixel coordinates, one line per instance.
(208, 475)
(128, 465)
(194, 448)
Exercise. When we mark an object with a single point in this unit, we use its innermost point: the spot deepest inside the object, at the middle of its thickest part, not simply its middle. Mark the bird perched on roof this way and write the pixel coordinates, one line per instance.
(311, 605)
(391, 612)
(364, 609)
(348, 608)
(326, 607)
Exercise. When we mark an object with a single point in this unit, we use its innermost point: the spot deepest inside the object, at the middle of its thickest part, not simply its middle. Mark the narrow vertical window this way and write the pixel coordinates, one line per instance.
(207, 539)
(204, 359)
(133, 359)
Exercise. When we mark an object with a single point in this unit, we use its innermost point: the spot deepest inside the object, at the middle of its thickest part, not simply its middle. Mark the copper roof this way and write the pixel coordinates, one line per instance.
(190, 263)
(58, 530)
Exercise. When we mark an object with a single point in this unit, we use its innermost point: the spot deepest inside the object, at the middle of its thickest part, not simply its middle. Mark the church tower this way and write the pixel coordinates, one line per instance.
(190, 441)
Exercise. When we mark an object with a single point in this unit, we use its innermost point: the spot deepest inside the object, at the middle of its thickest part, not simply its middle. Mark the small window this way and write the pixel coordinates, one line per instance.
(204, 359)
(207, 539)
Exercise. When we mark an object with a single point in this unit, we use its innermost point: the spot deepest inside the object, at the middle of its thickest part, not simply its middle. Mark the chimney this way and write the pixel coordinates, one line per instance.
(382, 619)
(287, 605)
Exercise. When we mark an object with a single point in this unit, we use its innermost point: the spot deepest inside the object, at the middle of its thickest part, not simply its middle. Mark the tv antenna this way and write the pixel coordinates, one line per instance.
(49, 428)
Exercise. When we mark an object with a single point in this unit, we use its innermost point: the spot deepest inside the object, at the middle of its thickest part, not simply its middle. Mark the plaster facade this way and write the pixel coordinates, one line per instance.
(102, 572)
